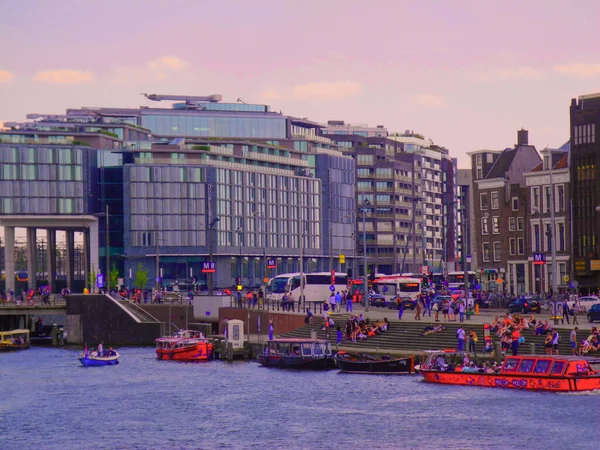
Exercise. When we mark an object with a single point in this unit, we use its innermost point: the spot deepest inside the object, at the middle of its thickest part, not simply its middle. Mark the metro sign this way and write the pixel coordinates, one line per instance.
(271, 264)
(539, 258)
(208, 267)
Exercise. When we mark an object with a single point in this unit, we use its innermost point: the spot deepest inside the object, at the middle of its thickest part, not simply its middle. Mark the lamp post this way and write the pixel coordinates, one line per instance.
(366, 203)
(211, 227)
(552, 242)
(239, 231)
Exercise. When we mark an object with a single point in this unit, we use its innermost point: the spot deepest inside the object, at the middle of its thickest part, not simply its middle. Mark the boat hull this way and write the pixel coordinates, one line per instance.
(523, 382)
(200, 352)
(297, 362)
(14, 347)
(99, 361)
(397, 366)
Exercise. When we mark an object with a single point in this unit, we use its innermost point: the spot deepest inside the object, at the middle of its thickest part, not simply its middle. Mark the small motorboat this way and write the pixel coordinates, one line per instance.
(14, 340)
(299, 354)
(92, 359)
(185, 345)
(376, 365)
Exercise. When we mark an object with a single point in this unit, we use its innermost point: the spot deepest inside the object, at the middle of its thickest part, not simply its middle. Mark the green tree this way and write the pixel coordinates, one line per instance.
(114, 277)
(91, 280)
(141, 277)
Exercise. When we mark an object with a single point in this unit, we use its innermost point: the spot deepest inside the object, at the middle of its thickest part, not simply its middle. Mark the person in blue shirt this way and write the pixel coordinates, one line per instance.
(271, 330)
(339, 335)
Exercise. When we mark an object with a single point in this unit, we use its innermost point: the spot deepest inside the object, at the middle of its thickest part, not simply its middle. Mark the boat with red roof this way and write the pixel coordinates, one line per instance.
(532, 372)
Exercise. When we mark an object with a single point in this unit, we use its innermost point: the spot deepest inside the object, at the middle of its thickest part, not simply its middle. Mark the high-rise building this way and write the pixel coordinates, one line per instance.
(584, 164)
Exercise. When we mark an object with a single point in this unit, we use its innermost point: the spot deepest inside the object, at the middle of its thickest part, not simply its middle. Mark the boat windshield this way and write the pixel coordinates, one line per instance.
(279, 285)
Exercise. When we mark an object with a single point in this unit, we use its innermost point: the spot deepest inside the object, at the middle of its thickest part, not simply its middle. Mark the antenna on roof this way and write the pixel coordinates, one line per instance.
(239, 100)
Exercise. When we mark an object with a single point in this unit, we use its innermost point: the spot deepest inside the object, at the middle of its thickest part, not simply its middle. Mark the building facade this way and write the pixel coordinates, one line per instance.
(584, 173)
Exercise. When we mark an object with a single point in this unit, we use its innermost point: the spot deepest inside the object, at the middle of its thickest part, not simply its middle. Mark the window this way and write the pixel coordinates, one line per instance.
(562, 271)
(511, 224)
(560, 198)
(483, 201)
(519, 224)
(535, 200)
(526, 365)
(536, 237)
(560, 243)
(558, 368)
(486, 251)
(546, 162)
(484, 225)
(542, 366)
(495, 200)
(515, 203)
(497, 251)
(479, 167)
(496, 225)
(547, 198)
(521, 246)
(512, 246)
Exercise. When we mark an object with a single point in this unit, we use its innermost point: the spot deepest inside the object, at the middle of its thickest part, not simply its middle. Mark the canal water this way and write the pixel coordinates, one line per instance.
(47, 401)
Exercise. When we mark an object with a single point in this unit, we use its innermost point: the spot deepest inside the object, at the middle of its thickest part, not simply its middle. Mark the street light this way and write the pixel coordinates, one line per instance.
(239, 232)
(553, 249)
(366, 203)
(211, 227)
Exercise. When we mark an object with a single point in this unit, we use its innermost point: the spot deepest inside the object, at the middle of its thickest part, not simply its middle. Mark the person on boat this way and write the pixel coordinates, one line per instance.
(100, 350)
(271, 330)
(86, 352)
(440, 363)
(111, 352)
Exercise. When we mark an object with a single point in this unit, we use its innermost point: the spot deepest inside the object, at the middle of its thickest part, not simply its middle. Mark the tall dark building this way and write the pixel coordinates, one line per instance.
(585, 160)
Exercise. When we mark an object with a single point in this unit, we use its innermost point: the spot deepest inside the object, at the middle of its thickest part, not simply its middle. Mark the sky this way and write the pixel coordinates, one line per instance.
(466, 74)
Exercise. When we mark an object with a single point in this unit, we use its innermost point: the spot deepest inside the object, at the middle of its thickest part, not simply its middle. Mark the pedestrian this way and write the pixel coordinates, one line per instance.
(325, 309)
(473, 339)
(418, 309)
(461, 311)
(565, 312)
(427, 305)
(271, 330)
(576, 310)
(573, 339)
(339, 335)
(436, 310)
(349, 301)
(460, 337)
(239, 299)
(555, 341)
(516, 336)
(400, 310)
(338, 302)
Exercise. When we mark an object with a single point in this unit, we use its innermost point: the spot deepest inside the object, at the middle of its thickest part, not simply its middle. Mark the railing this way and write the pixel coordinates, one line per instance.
(272, 304)
(36, 301)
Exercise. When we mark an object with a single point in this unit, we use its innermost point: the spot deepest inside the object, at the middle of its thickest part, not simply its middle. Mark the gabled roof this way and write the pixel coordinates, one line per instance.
(563, 162)
(538, 168)
(502, 164)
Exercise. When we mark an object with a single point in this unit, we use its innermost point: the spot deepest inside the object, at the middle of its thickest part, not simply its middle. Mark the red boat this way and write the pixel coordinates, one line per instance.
(185, 345)
(538, 373)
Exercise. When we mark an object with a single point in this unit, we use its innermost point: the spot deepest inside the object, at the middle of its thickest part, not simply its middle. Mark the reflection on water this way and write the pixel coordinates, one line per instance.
(49, 401)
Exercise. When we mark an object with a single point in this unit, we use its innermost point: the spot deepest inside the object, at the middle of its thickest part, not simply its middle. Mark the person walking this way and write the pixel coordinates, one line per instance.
(565, 312)
(576, 310)
(573, 339)
(555, 341)
(349, 301)
(338, 302)
(460, 337)
(418, 308)
(472, 340)
(436, 310)
(332, 302)
(271, 330)
(461, 311)
(400, 310)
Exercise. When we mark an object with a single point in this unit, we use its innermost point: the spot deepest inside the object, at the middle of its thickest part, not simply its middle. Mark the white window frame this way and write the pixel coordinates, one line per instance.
(494, 200)
(483, 195)
(521, 221)
(512, 203)
(485, 230)
(512, 224)
(512, 246)
(535, 245)
(520, 246)
(483, 246)
(561, 244)
(535, 208)
(558, 207)
(497, 257)
(478, 167)
(547, 198)
(496, 225)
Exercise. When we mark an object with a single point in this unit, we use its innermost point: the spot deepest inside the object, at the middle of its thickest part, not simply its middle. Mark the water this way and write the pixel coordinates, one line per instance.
(47, 401)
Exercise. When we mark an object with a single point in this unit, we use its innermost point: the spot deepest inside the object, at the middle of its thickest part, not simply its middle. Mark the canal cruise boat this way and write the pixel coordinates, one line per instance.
(14, 340)
(375, 365)
(295, 353)
(539, 373)
(185, 345)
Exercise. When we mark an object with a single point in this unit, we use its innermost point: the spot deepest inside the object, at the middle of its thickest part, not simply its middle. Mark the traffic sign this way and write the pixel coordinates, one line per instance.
(566, 278)
(342, 258)
(499, 280)
(332, 288)
(271, 264)
(100, 280)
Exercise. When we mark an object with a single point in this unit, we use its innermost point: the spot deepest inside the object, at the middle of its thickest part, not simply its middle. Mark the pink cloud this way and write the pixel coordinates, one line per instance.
(5, 76)
(64, 76)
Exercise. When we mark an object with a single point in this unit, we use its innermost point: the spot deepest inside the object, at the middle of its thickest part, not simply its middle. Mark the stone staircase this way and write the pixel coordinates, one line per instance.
(139, 313)
(406, 336)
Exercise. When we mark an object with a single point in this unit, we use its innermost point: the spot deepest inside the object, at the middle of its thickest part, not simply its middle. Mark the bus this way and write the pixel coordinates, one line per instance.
(316, 285)
(392, 287)
(456, 280)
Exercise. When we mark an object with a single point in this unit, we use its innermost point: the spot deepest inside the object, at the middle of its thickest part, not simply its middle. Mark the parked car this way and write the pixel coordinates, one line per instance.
(593, 313)
(586, 302)
(407, 303)
(524, 305)
(377, 300)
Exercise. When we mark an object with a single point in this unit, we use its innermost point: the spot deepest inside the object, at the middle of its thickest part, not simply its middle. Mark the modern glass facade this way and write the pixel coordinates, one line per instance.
(44, 180)
(196, 125)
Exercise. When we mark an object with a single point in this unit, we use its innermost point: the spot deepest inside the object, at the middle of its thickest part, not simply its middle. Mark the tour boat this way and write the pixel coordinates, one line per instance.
(109, 358)
(14, 340)
(185, 345)
(380, 365)
(533, 372)
(295, 353)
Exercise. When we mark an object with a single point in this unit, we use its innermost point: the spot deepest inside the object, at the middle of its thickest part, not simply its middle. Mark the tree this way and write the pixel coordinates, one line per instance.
(91, 280)
(141, 277)
(113, 277)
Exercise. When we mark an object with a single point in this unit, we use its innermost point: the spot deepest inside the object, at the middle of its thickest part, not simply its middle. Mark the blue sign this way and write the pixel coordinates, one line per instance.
(271, 264)
(100, 280)
(332, 288)
(208, 267)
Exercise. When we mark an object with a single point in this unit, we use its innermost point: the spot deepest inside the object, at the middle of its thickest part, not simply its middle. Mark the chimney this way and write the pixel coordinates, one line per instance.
(522, 137)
